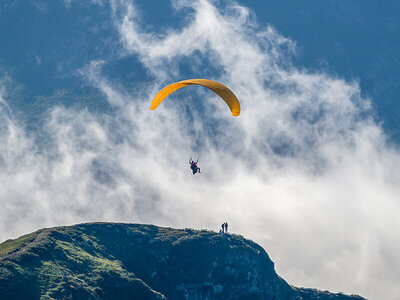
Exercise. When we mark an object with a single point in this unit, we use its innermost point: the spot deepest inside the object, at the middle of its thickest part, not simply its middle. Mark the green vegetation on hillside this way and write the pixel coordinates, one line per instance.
(120, 261)
(11, 246)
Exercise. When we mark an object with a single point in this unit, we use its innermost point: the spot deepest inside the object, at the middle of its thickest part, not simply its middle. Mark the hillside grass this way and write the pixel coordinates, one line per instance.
(110, 260)
(13, 245)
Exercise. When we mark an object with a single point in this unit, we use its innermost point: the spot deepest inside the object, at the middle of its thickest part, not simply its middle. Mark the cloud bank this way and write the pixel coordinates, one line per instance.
(304, 171)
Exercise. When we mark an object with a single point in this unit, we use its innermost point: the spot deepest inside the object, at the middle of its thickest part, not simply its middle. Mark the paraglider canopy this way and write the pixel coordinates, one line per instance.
(226, 94)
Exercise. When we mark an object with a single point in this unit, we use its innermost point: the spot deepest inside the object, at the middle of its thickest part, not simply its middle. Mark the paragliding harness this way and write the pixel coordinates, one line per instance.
(193, 166)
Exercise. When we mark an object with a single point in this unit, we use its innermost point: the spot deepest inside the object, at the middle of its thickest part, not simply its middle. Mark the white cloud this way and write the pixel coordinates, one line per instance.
(303, 171)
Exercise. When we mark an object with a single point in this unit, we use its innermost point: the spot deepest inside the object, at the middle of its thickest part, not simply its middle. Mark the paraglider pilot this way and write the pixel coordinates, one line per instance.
(193, 166)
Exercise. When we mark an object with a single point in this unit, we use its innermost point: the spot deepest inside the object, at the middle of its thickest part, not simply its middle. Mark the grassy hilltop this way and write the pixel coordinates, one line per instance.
(132, 261)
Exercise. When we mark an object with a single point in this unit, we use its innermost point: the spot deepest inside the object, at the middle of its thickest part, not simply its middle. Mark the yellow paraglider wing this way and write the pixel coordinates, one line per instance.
(226, 94)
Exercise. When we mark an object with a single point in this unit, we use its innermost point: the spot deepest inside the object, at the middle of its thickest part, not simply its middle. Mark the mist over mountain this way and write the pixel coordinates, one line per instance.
(354, 39)
(121, 261)
(309, 169)
(46, 43)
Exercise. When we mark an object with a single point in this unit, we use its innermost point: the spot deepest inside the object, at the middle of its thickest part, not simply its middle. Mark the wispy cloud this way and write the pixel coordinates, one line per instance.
(304, 170)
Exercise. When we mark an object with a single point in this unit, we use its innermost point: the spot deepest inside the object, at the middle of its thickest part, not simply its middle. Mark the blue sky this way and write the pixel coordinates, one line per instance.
(355, 41)
(307, 170)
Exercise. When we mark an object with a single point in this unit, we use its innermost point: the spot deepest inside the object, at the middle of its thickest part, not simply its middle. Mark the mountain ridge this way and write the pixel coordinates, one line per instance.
(120, 261)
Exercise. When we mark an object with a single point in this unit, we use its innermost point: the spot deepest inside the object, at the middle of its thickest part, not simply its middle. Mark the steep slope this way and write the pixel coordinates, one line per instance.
(120, 261)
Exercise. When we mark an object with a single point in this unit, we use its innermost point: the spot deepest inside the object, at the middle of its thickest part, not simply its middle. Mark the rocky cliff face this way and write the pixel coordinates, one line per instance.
(121, 261)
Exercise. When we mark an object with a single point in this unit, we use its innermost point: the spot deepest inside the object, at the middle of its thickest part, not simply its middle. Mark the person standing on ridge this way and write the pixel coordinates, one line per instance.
(226, 227)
